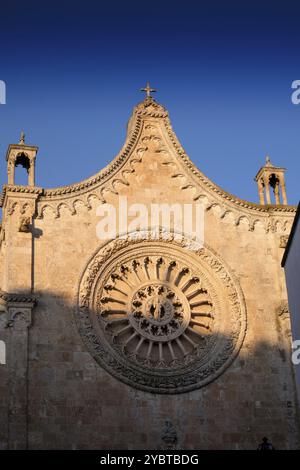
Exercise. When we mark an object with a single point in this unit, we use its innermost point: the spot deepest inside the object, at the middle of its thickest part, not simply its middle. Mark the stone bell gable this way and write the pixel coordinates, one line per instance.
(149, 135)
(101, 332)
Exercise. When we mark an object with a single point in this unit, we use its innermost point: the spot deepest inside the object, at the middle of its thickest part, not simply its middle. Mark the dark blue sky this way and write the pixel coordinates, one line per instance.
(73, 71)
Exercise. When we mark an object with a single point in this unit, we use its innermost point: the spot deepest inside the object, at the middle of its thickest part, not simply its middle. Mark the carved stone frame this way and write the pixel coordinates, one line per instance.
(165, 382)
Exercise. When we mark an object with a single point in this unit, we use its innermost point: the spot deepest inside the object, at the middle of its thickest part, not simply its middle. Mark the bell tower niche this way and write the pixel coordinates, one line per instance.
(271, 184)
(24, 155)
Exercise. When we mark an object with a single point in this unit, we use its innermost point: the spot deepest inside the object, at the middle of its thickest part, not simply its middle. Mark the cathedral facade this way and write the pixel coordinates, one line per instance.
(121, 333)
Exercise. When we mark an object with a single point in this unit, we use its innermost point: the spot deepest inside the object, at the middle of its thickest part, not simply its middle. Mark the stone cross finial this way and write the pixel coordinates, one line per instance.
(268, 161)
(22, 138)
(148, 90)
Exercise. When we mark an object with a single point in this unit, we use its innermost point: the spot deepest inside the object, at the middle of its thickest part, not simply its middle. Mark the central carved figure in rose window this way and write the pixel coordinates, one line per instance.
(157, 311)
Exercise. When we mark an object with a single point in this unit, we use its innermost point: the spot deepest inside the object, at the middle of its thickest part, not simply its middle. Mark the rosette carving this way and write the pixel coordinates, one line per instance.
(166, 323)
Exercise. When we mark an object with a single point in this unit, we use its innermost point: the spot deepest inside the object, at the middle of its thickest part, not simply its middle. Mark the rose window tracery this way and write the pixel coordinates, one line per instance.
(158, 316)
(156, 310)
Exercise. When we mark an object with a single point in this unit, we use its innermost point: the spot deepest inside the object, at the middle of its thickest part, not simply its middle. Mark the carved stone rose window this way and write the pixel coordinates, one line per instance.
(159, 316)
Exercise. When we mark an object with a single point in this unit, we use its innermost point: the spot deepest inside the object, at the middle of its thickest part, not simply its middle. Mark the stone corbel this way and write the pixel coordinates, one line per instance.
(283, 241)
(25, 225)
(20, 317)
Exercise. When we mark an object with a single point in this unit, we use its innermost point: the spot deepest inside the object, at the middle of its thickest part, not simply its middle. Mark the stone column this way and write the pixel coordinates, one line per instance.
(267, 186)
(283, 189)
(11, 171)
(276, 193)
(261, 191)
(31, 172)
(19, 321)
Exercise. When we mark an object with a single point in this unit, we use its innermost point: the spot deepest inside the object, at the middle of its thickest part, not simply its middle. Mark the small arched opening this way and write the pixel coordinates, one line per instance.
(275, 185)
(22, 162)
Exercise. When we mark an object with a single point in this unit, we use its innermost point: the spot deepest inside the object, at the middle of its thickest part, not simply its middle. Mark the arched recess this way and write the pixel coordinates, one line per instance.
(22, 165)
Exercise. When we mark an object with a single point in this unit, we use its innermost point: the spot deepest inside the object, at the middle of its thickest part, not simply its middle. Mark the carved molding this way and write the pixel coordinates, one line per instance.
(24, 205)
(165, 324)
(150, 108)
(16, 309)
(14, 188)
(283, 241)
(18, 297)
(19, 317)
(25, 225)
(13, 157)
(145, 135)
(212, 186)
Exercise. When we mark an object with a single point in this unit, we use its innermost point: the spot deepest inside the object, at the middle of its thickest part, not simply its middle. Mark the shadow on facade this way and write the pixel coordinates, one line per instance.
(59, 397)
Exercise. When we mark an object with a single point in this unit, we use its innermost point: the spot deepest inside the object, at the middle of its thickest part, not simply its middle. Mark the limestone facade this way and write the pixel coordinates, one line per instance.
(107, 340)
(291, 265)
